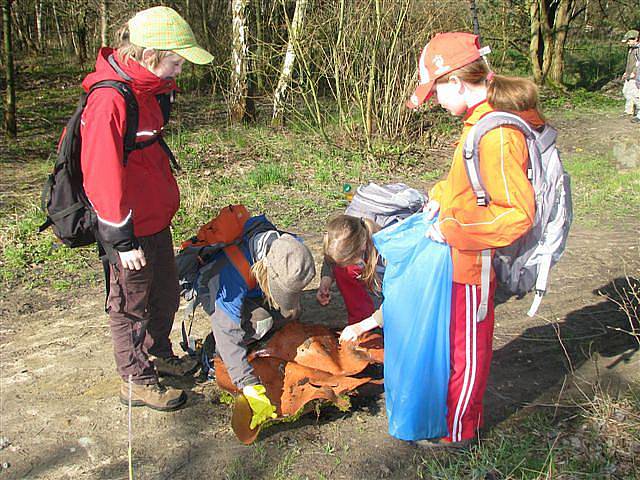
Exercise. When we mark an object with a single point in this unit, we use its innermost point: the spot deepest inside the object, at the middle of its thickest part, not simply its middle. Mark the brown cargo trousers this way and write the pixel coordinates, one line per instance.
(141, 306)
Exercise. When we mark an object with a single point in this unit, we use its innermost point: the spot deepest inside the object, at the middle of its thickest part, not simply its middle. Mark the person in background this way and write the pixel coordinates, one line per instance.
(136, 196)
(631, 75)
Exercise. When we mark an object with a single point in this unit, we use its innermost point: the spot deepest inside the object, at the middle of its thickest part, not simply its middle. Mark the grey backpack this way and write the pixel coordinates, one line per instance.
(385, 204)
(524, 265)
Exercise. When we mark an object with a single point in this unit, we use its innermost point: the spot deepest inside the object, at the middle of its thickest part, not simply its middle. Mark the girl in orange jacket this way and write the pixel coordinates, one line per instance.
(453, 69)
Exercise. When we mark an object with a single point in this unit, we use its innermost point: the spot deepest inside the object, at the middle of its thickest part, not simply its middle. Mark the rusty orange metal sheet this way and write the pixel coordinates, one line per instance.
(301, 363)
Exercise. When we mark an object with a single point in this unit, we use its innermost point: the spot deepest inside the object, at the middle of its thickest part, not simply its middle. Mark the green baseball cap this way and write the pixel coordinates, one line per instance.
(163, 28)
(630, 35)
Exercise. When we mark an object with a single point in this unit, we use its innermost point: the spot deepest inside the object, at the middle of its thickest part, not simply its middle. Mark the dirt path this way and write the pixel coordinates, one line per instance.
(61, 417)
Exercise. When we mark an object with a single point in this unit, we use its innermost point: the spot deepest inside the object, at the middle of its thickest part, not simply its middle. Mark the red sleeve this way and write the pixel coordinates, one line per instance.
(103, 127)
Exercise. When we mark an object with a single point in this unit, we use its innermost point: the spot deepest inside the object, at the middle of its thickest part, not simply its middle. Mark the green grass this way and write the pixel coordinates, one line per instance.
(599, 188)
(578, 101)
(269, 174)
(587, 442)
(39, 259)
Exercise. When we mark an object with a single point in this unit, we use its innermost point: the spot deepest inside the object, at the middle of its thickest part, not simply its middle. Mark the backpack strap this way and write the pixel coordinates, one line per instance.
(241, 264)
(541, 284)
(132, 112)
(471, 156)
(485, 276)
(471, 149)
(165, 101)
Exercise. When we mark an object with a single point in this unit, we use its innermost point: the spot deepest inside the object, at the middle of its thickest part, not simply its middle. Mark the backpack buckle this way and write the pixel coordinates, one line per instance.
(481, 199)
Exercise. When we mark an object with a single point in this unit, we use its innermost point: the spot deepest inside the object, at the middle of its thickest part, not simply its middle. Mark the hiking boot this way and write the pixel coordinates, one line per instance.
(635, 120)
(175, 366)
(155, 396)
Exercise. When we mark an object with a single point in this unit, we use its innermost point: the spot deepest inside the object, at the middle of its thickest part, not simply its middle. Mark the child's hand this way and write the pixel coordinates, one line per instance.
(324, 294)
(434, 233)
(351, 333)
(430, 210)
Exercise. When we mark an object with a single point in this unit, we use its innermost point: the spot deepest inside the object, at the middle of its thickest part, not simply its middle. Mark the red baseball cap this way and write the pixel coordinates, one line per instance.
(445, 53)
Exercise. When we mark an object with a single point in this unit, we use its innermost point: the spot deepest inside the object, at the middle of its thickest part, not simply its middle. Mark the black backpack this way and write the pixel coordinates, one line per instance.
(64, 201)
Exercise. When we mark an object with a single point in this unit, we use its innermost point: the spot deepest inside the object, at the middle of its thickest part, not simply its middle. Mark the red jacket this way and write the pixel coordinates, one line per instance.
(141, 198)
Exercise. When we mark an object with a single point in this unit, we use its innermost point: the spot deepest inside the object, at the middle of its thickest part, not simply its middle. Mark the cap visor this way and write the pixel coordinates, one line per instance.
(196, 55)
(421, 95)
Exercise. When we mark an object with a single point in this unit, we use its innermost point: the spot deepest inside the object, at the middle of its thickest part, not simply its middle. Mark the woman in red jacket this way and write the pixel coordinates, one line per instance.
(135, 197)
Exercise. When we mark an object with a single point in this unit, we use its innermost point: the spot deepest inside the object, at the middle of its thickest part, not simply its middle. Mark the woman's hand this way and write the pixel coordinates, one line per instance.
(324, 294)
(133, 259)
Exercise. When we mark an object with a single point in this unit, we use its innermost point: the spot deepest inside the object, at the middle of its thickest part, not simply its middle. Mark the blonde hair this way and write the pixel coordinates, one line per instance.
(127, 51)
(349, 239)
(512, 94)
(260, 271)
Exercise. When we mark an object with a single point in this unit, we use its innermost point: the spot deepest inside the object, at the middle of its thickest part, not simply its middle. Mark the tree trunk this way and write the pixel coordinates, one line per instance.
(20, 27)
(546, 28)
(57, 22)
(259, 58)
(337, 74)
(104, 23)
(534, 44)
(372, 77)
(39, 24)
(561, 28)
(295, 29)
(9, 121)
(239, 54)
(205, 24)
(549, 26)
(82, 36)
(474, 19)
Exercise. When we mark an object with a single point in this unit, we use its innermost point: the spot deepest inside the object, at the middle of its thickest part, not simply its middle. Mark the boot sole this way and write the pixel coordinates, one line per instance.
(168, 408)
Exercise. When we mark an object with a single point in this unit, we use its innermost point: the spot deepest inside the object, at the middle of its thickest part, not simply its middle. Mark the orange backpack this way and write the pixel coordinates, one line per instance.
(226, 228)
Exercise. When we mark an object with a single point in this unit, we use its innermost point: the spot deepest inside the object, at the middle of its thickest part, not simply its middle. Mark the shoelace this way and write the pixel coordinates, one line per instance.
(161, 388)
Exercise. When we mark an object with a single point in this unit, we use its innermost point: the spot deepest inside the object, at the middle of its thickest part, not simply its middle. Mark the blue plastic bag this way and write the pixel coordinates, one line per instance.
(416, 310)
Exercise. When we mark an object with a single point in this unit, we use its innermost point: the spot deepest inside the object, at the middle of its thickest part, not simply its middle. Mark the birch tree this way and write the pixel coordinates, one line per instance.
(104, 23)
(9, 121)
(239, 87)
(39, 36)
(295, 30)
